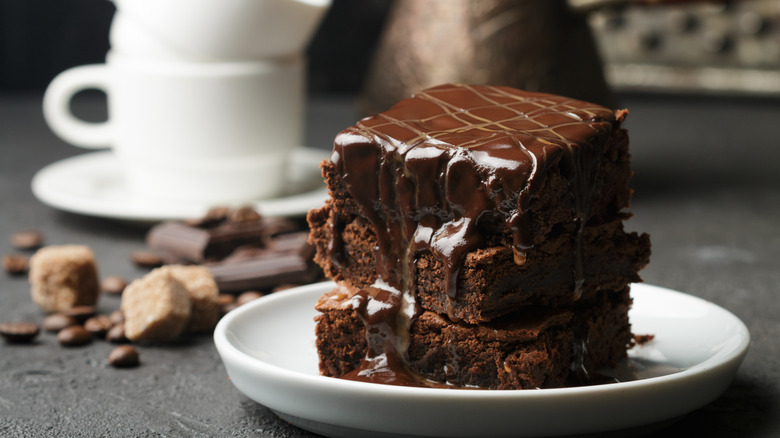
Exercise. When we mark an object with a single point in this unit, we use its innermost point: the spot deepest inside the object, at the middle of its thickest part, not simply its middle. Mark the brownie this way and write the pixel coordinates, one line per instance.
(462, 218)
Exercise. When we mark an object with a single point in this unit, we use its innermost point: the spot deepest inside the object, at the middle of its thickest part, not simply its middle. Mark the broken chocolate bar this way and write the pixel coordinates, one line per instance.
(215, 235)
(242, 249)
(288, 258)
(196, 244)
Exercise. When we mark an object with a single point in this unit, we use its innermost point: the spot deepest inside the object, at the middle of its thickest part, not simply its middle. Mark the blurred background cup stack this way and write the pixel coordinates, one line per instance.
(205, 98)
(209, 31)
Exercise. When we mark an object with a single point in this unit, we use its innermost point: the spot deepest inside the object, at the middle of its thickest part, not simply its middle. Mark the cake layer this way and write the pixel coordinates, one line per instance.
(538, 348)
(490, 283)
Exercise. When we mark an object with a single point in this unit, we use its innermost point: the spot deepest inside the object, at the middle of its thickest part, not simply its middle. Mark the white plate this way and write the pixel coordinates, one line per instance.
(93, 184)
(268, 350)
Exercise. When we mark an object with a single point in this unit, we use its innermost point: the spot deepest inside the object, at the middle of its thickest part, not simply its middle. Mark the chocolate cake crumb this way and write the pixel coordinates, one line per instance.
(643, 339)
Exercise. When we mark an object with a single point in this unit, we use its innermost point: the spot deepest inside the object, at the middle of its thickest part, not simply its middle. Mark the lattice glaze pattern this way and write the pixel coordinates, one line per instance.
(472, 116)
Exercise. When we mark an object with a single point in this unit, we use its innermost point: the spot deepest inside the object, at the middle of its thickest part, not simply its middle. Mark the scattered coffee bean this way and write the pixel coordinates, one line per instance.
(98, 325)
(73, 336)
(15, 264)
(123, 356)
(58, 321)
(18, 332)
(227, 302)
(117, 317)
(146, 259)
(27, 239)
(113, 285)
(244, 214)
(284, 286)
(117, 334)
(225, 299)
(81, 313)
(214, 216)
(248, 296)
(228, 307)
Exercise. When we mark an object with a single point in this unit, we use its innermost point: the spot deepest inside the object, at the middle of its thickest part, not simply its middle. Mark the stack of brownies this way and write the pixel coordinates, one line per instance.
(475, 234)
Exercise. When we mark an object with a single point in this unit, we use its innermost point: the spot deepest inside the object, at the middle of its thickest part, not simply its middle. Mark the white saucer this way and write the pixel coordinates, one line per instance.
(268, 349)
(93, 184)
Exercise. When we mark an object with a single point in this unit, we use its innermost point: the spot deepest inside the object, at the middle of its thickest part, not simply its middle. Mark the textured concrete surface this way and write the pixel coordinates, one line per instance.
(707, 190)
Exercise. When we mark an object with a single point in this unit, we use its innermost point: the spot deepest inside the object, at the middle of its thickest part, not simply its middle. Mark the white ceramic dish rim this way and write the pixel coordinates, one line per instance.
(721, 366)
(135, 208)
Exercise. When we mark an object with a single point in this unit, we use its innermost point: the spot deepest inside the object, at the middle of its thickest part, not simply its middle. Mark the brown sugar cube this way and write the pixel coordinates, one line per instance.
(203, 293)
(156, 307)
(62, 277)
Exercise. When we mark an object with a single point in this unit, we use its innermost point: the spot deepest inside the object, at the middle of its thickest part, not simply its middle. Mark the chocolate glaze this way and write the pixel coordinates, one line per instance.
(378, 308)
(430, 170)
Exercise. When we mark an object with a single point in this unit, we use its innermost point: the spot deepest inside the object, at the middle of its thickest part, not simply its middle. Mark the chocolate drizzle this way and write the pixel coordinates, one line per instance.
(430, 172)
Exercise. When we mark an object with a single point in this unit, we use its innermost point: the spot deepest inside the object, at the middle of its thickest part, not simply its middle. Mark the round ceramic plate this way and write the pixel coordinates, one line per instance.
(93, 184)
(268, 349)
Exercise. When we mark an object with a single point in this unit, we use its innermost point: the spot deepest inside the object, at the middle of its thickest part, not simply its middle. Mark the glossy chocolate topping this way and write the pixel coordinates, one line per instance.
(428, 171)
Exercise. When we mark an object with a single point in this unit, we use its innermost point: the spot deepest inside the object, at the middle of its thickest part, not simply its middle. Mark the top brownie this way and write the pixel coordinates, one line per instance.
(459, 168)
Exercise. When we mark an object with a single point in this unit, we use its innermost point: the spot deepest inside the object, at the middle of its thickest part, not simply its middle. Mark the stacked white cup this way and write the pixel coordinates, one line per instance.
(205, 98)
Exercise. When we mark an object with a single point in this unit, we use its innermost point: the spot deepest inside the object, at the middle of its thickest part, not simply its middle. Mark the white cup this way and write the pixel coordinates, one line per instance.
(215, 30)
(208, 132)
(130, 37)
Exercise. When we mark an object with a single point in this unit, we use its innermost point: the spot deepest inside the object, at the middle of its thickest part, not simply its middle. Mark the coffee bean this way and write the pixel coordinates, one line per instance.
(214, 216)
(98, 325)
(74, 335)
(248, 296)
(116, 317)
(15, 264)
(27, 239)
(117, 334)
(123, 356)
(18, 332)
(113, 285)
(58, 321)
(244, 214)
(81, 313)
(146, 259)
(284, 286)
(225, 299)
(226, 302)
(228, 307)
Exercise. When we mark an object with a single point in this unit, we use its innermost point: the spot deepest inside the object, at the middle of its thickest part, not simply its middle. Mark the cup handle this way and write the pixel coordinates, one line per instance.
(56, 106)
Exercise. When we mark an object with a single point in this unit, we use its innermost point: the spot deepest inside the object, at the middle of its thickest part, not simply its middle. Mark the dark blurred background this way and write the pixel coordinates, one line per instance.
(40, 38)
(645, 48)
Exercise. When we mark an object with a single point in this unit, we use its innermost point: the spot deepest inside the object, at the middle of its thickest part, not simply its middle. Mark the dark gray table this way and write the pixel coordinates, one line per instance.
(707, 190)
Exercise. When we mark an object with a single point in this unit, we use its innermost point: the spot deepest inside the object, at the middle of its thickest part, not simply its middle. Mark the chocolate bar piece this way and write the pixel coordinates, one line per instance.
(215, 235)
(288, 258)
(243, 250)
(197, 244)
